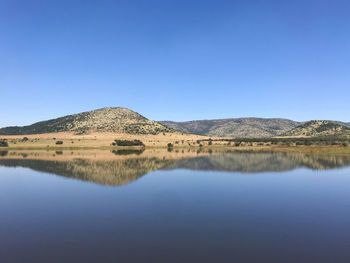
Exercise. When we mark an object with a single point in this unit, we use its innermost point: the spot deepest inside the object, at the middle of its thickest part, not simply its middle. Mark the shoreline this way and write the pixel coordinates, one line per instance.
(223, 148)
(177, 140)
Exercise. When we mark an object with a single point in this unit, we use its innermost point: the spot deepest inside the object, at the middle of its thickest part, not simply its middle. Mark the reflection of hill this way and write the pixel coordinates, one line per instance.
(123, 167)
(319, 161)
(237, 162)
(254, 162)
(112, 172)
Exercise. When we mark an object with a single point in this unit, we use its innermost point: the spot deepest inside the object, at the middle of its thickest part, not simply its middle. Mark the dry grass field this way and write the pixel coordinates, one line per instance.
(99, 140)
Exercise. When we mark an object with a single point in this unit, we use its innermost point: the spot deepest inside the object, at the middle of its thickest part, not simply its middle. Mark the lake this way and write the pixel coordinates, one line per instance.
(179, 206)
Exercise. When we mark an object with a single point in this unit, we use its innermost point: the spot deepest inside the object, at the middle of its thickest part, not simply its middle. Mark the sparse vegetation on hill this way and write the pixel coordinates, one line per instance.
(117, 120)
(130, 124)
(319, 128)
(237, 128)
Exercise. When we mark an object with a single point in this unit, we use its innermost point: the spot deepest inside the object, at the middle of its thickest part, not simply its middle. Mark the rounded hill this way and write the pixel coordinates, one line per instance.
(113, 119)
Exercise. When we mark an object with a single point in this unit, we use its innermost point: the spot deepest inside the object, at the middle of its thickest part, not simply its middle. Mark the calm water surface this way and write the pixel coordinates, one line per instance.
(174, 207)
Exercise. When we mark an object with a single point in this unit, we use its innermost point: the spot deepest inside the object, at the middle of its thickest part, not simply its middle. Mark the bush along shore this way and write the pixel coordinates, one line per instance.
(168, 141)
(128, 143)
(283, 141)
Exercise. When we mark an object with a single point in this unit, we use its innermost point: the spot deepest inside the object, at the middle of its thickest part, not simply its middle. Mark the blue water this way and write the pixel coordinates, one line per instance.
(177, 215)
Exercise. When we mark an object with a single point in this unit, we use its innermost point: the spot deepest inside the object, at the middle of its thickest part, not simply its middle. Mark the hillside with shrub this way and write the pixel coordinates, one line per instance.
(237, 128)
(319, 128)
(117, 120)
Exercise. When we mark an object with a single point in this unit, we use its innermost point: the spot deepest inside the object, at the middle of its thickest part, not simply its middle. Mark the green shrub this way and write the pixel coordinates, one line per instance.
(127, 143)
(3, 153)
(170, 145)
(3, 143)
(334, 140)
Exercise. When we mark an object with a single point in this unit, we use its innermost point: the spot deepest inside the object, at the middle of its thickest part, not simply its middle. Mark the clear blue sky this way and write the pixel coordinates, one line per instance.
(175, 60)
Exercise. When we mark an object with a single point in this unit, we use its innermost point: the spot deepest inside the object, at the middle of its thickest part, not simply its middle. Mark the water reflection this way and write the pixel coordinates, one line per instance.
(121, 167)
(257, 162)
(127, 152)
(174, 215)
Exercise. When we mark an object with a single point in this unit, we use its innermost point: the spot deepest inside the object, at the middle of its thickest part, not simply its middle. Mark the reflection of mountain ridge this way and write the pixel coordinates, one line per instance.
(112, 172)
(319, 161)
(255, 162)
(121, 171)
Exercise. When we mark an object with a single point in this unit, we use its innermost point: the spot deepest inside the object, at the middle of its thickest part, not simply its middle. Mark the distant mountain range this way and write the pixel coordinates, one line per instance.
(259, 127)
(122, 120)
(239, 127)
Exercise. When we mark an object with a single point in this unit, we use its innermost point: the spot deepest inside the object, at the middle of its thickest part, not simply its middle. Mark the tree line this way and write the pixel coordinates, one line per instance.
(288, 141)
